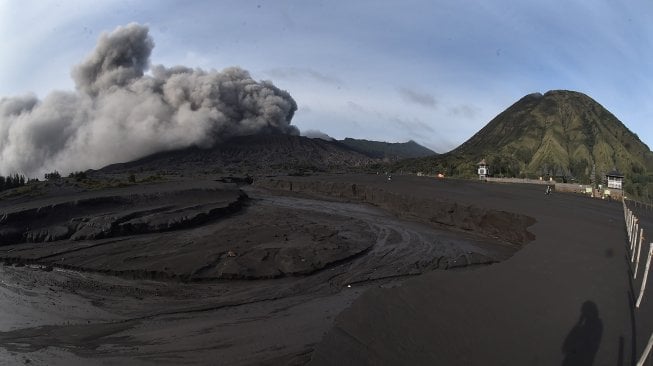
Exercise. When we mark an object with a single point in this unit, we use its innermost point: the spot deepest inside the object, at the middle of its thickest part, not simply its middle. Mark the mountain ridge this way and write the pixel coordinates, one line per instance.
(253, 154)
(388, 150)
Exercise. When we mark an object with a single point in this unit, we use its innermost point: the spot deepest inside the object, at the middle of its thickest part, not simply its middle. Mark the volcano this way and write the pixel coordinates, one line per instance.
(253, 154)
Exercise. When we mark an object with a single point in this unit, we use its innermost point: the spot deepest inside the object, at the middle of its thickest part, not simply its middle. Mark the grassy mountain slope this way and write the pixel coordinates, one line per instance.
(560, 133)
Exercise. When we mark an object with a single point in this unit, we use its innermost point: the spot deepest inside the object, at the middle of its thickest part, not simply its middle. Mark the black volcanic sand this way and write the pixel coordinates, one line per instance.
(564, 299)
(203, 272)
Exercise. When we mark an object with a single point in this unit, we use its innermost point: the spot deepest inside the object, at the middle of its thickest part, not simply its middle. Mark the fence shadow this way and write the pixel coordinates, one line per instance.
(582, 342)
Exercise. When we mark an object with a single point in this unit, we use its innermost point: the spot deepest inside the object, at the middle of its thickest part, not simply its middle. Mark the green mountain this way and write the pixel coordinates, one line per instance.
(562, 133)
(388, 150)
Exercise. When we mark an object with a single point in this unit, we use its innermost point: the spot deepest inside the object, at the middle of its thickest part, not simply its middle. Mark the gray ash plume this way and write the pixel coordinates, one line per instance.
(119, 113)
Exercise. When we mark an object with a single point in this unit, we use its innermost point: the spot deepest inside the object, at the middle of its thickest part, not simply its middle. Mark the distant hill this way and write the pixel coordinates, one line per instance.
(561, 133)
(388, 150)
(256, 154)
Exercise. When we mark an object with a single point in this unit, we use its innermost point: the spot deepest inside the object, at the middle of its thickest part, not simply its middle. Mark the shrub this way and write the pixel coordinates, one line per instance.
(78, 176)
(52, 176)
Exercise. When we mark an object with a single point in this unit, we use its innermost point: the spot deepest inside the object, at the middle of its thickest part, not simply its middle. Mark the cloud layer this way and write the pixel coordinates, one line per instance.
(118, 113)
(420, 98)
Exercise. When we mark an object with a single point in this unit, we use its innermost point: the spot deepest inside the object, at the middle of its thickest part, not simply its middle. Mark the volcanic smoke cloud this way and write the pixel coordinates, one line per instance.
(119, 114)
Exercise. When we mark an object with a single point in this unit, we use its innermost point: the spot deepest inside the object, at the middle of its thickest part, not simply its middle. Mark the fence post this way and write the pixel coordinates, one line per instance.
(634, 246)
(647, 350)
(630, 223)
(633, 221)
(648, 266)
(630, 219)
(633, 236)
(638, 248)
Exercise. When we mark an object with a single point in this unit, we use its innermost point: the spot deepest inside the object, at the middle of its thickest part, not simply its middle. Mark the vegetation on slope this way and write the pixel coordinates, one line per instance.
(562, 133)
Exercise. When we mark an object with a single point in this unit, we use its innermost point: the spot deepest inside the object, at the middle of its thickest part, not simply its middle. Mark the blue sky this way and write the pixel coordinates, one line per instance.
(432, 71)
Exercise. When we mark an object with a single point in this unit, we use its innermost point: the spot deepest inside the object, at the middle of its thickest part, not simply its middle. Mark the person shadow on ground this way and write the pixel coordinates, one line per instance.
(583, 340)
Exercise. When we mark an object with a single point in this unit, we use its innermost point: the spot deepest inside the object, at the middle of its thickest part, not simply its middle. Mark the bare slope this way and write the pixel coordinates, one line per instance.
(388, 150)
(255, 154)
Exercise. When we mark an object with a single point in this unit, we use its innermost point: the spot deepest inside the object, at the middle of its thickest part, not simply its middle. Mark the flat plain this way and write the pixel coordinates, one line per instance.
(324, 269)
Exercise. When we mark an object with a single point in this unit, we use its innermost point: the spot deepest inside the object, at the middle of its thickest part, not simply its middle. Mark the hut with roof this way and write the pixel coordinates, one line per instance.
(615, 179)
(614, 189)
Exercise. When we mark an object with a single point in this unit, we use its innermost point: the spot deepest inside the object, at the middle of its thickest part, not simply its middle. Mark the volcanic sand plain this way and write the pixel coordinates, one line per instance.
(291, 270)
(565, 298)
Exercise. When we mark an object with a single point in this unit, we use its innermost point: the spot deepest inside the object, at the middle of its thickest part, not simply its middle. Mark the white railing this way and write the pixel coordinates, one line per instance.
(636, 237)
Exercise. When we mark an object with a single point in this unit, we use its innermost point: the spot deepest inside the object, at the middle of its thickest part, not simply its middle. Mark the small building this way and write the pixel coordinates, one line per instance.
(615, 179)
(483, 169)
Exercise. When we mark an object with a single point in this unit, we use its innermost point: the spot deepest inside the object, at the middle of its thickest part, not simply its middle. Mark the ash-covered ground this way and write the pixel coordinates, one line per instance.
(203, 271)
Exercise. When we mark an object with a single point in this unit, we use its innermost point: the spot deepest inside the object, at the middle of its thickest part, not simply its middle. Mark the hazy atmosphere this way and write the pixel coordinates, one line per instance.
(434, 72)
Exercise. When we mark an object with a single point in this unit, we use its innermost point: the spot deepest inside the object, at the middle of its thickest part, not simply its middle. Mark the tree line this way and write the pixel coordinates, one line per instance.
(12, 181)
